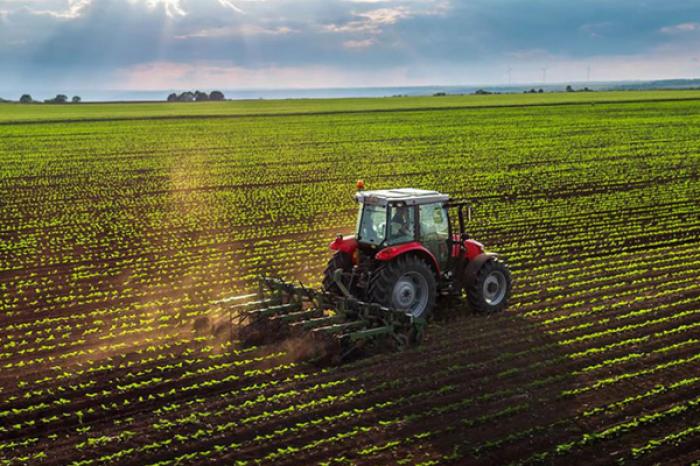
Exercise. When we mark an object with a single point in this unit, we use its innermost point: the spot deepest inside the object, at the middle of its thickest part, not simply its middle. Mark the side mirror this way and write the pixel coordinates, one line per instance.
(469, 213)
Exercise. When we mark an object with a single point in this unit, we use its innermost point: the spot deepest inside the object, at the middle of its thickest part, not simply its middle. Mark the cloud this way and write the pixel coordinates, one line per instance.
(167, 75)
(681, 28)
(243, 30)
(231, 5)
(597, 30)
(359, 44)
(385, 15)
(370, 21)
(172, 8)
(74, 9)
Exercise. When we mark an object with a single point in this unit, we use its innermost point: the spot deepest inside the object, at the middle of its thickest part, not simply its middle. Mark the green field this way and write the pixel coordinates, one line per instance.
(88, 111)
(121, 224)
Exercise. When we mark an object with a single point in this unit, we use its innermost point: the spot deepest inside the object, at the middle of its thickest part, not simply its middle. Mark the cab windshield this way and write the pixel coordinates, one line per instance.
(372, 224)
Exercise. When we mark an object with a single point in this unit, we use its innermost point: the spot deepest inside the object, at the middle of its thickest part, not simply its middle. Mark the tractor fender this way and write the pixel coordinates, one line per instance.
(391, 252)
(473, 266)
(473, 249)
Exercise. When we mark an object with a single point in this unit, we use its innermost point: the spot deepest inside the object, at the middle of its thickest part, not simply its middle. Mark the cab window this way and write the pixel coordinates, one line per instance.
(402, 227)
(434, 230)
(372, 224)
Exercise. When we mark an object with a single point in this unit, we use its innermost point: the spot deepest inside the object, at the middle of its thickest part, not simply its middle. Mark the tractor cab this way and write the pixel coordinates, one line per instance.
(404, 216)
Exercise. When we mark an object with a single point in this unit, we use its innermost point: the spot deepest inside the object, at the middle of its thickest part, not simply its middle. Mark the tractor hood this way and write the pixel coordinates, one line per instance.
(346, 245)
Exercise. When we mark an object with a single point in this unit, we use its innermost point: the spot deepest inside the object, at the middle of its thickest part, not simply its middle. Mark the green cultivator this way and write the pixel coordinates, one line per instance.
(335, 326)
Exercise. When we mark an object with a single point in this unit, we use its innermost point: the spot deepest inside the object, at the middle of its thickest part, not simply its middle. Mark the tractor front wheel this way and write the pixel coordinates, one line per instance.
(491, 290)
(406, 283)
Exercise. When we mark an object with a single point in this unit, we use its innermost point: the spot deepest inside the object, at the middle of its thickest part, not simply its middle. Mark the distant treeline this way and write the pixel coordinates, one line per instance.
(526, 91)
(196, 96)
(59, 99)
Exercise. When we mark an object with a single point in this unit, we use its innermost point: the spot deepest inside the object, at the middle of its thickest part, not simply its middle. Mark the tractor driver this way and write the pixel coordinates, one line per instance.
(402, 225)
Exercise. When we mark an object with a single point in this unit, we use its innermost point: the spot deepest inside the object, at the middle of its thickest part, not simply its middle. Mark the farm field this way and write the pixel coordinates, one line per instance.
(121, 224)
(11, 113)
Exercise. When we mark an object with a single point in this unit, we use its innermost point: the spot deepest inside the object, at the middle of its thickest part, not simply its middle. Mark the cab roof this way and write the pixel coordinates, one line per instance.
(409, 196)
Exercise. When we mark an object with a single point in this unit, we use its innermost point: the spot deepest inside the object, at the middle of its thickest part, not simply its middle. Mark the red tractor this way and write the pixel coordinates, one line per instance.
(407, 251)
(382, 283)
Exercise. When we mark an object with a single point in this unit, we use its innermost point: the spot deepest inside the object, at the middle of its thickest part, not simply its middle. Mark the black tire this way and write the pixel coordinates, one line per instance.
(490, 291)
(340, 260)
(409, 269)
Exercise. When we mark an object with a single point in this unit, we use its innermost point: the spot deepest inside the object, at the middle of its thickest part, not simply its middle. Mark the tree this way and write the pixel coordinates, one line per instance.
(59, 99)
(569, 88)
(216, 95)
(26, 99)
(201, 96)
(186, 97)
(172, 97)
(76, 99)
(540, 91)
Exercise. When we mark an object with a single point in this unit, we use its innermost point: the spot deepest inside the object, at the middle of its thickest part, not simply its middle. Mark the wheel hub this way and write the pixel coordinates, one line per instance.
(494, 288)
(411, 293)
(405, 293)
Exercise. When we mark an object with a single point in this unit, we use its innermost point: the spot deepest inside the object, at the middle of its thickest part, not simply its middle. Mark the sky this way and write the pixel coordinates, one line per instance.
(277, 44)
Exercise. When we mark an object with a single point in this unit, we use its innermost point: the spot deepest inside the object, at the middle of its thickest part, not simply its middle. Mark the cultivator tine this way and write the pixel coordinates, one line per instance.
(273, 311)
(279, 305)
(301, 316)
(370, 333)
(340, 329)
(310, 324)
(266, 324)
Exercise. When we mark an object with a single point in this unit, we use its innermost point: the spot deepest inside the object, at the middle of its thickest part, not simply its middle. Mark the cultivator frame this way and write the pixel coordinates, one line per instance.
(336, 326)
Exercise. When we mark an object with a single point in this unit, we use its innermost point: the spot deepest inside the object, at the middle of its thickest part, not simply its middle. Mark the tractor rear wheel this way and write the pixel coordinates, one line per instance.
(491, 290)
(340, 260)
(406, 283)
